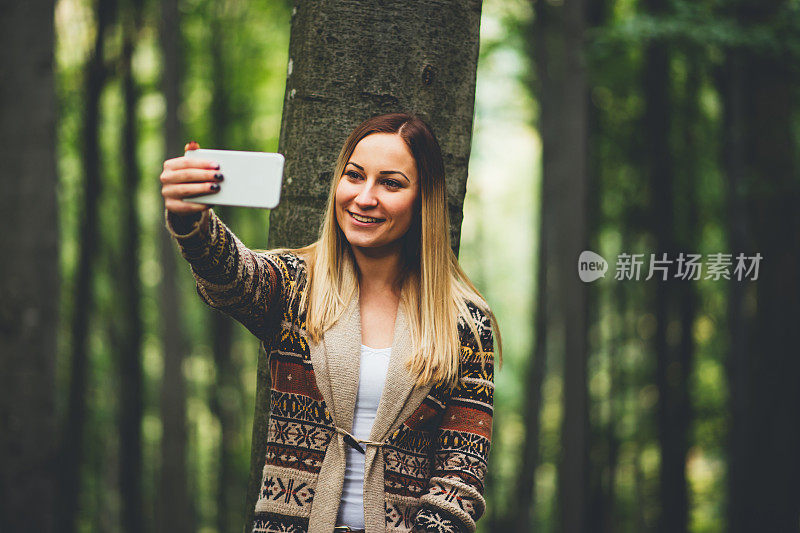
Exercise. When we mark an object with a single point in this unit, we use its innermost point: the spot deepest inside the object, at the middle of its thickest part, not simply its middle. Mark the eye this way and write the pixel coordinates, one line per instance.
(353, 174)
(392, 184)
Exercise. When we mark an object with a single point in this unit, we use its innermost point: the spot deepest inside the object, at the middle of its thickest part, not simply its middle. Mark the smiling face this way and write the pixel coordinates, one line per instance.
(377, 194)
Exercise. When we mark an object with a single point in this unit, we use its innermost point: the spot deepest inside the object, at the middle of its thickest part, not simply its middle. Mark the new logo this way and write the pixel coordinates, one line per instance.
(591, 266)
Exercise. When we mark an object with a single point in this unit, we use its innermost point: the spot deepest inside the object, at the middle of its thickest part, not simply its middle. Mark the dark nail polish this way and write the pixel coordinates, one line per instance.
(219, 177)
(215, 187)
(216, 166)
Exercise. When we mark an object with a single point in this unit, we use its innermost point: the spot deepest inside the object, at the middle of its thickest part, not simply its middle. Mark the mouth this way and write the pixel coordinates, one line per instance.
(362, 220)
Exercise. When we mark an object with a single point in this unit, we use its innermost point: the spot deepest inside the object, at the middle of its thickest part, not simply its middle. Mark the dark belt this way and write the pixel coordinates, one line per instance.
(347, 529)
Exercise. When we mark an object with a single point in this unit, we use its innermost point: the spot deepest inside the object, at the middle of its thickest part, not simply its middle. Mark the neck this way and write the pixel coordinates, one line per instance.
(378, 269)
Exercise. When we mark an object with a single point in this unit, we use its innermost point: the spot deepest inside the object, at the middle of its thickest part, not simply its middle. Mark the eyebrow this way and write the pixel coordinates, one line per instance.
(382, 172)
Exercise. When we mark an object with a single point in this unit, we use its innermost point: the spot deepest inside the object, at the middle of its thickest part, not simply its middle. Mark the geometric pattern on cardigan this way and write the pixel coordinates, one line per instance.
(434, 464)
(274, 523)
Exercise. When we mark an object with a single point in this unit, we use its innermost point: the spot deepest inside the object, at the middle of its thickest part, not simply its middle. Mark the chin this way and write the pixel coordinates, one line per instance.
(361, 243)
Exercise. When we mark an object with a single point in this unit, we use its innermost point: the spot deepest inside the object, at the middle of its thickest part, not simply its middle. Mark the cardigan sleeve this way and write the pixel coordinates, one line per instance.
(454, 500)
(244, 284)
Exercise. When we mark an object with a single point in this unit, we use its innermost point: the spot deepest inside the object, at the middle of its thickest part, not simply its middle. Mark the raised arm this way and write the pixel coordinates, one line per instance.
(230, 277)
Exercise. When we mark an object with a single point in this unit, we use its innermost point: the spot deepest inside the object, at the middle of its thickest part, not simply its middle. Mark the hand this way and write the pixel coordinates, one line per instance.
(184, 178)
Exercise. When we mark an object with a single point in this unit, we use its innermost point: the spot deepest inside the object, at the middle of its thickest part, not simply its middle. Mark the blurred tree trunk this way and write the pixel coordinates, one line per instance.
(671, 377)
(73, 433)
(759, 91)
(559, 30)
(731, 85)
(226, 397)
(130, 349)
(616, 388)
(334, 82)
(524, 506)
(601, 427)
(174, 510)
(734, 150)
(678, 373)
(29, 270)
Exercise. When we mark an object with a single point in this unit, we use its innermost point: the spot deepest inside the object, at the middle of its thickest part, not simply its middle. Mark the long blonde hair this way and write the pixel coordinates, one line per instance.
(434, 290)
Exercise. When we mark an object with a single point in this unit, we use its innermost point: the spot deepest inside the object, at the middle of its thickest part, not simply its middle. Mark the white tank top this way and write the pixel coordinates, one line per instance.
(371, 379)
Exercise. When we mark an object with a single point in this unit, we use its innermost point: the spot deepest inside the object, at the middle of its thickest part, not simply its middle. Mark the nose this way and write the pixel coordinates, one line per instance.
(366, 197)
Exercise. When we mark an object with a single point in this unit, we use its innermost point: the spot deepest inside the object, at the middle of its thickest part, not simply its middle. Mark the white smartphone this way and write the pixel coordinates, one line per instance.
(251, 179)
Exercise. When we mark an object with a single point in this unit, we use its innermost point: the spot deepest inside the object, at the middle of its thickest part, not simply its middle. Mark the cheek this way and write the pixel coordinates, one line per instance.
(404, 212)
(346, 192)
(342, 195)
(339, 203)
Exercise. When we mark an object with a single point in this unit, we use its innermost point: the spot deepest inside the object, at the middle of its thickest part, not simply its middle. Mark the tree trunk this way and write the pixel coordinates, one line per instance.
(759, 102)
(731, 87)
(525, 494)
(226, 397)
(680, 370)
(408, 56)
(559, 34)
(335, 81)
(601, 431)
(669, 368)
(130, 349)
(174, 512)
(29, 270)
(73, 433)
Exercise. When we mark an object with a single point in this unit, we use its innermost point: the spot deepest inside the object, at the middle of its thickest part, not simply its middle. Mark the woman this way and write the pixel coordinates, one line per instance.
(380, 348)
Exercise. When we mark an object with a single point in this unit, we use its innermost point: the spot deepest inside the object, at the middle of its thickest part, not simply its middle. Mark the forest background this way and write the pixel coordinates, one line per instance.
(617, 126)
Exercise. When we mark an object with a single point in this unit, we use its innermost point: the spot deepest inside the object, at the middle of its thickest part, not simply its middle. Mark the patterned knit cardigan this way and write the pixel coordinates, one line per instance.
(425, 459)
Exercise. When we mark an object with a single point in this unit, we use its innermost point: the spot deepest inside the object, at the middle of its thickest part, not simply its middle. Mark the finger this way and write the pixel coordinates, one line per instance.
(178, 163)
(190, 175)
(191, 145)
(179, 207)
(188, 190)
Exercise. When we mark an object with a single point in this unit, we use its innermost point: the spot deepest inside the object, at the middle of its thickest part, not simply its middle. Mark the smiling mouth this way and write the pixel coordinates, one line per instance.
(364, 219)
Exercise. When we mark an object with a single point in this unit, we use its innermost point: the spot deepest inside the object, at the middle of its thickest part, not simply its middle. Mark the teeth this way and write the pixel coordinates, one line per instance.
(365, 219)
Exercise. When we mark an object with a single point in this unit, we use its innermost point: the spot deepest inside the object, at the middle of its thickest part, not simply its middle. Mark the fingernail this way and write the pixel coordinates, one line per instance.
(215, 187)
(219, 177)
(216, 166)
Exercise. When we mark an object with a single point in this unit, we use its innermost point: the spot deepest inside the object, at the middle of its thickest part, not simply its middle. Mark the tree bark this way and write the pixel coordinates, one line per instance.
(408, 56)
(348, 61)
(174, 511)
(29, 270)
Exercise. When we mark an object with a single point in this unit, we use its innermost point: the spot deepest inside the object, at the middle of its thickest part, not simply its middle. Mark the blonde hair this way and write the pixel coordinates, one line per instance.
(434, 290)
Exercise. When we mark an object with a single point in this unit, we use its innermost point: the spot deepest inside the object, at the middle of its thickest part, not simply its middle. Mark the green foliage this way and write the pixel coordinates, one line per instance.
(712, 24)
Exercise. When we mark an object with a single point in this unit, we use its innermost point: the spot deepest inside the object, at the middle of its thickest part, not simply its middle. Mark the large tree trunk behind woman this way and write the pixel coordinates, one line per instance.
(348, 61)
(28, 270)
